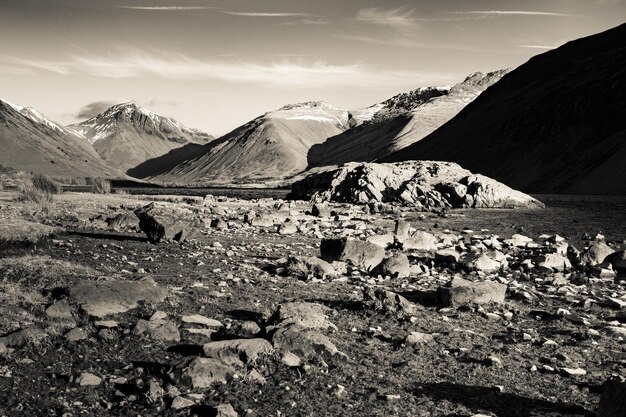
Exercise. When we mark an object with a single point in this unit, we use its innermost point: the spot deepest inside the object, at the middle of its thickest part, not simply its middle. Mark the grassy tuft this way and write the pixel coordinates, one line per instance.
(100, 185)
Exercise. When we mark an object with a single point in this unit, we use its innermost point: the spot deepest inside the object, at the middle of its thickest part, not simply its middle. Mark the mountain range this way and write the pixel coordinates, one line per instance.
(32, 142)
(127, 136)
(553, 125)
(400, 121)
(556, 124)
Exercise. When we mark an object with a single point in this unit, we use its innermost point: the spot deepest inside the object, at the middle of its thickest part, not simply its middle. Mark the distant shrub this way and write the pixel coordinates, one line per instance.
(46, 184)
(101, 185)
(38, 189)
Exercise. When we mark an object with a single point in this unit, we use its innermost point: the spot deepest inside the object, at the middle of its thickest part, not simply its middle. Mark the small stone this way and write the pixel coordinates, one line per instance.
(180, 403)
(76, 334)
(418, 338)
(573, 371)
(225, 410)
(87, 379)
(291, 360)
(59, 310)
(199, 319)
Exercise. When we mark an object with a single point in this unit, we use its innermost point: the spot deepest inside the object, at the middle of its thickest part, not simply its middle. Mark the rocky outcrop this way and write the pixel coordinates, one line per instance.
(160, 224)
(421, 184)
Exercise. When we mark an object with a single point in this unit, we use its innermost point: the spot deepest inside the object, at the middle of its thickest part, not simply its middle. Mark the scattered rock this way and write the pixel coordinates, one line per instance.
(59, 310)
(418, 338)
(307, 343)
(617, 260)
(303, 267)
(199, 319)
(395, 266)
(596, 253)
(159, 224)
(87, 379)
(237, 352)
(420, 241)
(161, 330)
(362, 254)
(303, 314)
(102, 298)
(225, 410)
(613, 399)
(202, 372)
(461, 291)
(388, 302)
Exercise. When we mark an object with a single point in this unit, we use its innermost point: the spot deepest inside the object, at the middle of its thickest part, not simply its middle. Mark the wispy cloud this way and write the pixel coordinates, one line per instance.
(293, 74)
(165, 8)
(405, 42)
(387, 17)
(313, 21)
(93, 108)
(264, 14)
(514, 13)
(544, 47)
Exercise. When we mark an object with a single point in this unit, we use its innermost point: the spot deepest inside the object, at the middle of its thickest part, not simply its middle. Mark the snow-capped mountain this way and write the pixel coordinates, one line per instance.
(30, 141)
(129, 136)
(400, 121)
(272, 146)
(396, 105)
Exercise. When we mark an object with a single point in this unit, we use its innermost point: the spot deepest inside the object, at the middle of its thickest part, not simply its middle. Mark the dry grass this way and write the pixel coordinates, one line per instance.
(17, 231)
(37, 189)
(42, 271)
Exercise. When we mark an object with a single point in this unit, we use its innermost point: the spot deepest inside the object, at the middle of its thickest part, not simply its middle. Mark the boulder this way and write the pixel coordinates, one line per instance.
(423, 184)
(307, 343)
(303, 314)
(161, 330)
(203, 372)
(237, 352)
(320, 210)
(303, 267)
(388, 302)
(362, 254)
(160, 224)
(461, 291)
(383, 241)
(553, 262)
(613, 399)
(486, 261)
(122, 221)
(102, 298)
(617, 260)
(596, 254)
(420, 241)
(395, 266)
(401, 229)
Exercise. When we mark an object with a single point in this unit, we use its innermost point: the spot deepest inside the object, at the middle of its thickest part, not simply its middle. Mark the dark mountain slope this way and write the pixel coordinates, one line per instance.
(554, 125)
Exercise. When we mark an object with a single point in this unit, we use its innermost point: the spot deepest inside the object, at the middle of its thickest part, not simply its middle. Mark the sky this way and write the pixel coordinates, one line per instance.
(216, 64)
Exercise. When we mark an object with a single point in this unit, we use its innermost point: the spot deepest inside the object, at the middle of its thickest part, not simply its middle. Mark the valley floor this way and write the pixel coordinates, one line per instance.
(545, 351)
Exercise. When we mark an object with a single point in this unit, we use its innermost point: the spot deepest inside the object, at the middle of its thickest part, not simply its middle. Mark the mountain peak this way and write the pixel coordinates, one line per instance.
(33, 115)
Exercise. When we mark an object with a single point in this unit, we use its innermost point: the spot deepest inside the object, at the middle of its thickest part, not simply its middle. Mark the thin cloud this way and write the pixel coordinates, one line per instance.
(544, 47)
(292, 74)
(263, 14)
(514, 13)
(93, 108)
(404, 42)
(165, 8)
(387, 17)
(309, 21)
